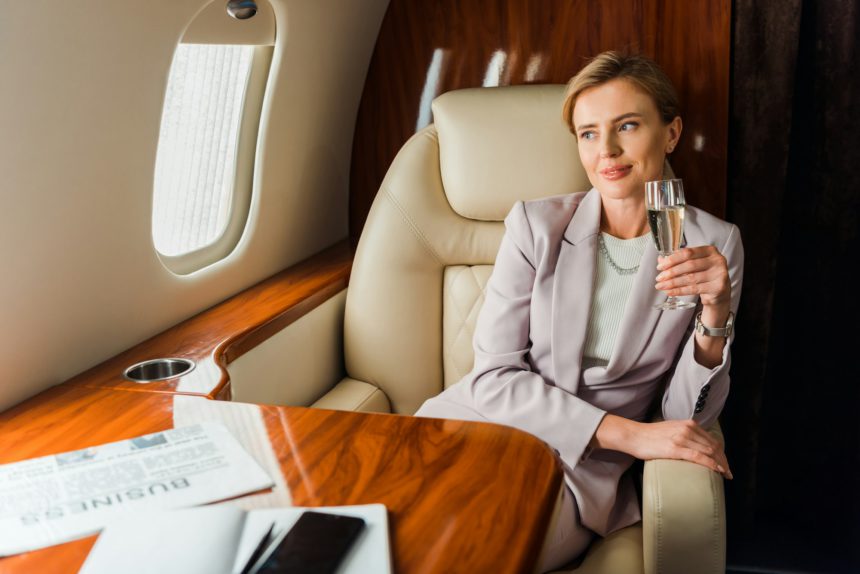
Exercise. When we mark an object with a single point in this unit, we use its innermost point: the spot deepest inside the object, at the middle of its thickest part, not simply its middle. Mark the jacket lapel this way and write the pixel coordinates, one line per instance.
(573, 286)
(640, 318)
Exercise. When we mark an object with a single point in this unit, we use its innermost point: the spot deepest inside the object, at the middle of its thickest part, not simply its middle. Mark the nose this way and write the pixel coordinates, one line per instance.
(609, 146)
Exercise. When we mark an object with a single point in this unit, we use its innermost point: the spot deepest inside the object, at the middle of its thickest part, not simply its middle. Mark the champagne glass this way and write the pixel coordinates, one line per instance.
(664, 200)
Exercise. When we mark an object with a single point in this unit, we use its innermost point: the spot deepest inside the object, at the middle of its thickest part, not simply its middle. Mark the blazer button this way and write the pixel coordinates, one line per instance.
(700, 402)
(699, 409)
(707, 387)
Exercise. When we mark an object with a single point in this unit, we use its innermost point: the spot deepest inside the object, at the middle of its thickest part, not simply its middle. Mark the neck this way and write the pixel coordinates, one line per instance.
(624, 218)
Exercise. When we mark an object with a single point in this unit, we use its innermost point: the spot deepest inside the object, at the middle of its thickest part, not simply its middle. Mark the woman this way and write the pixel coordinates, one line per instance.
(568, 345)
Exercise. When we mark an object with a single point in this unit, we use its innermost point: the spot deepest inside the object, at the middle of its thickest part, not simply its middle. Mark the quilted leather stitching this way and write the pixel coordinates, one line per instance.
(465, 287)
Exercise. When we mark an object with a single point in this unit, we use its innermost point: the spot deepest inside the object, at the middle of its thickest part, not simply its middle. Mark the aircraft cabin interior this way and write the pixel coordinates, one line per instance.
(429, 286)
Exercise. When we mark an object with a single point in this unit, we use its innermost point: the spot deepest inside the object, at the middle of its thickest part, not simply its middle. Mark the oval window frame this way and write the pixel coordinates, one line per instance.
(212, 25)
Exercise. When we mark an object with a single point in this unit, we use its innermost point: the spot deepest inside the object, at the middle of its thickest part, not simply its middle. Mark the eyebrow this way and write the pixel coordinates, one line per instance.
(616, 120)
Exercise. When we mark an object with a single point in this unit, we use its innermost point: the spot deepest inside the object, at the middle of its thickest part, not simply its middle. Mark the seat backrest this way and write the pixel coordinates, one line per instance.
(431, 237)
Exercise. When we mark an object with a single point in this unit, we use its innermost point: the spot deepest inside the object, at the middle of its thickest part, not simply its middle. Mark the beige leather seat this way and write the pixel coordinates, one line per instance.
(422, 264)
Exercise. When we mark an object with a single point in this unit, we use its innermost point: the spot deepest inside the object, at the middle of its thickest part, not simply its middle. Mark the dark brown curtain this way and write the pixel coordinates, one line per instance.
(791, 421)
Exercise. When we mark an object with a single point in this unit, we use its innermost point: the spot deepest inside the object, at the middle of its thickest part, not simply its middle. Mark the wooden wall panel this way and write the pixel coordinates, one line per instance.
(228, 330)
(542, 42)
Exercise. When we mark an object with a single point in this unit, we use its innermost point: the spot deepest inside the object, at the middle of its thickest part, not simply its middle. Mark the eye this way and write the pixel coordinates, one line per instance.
(628, 126)
(587, 135)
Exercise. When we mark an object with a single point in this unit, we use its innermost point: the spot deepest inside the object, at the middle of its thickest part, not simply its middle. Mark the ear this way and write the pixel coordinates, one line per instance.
(673, 131)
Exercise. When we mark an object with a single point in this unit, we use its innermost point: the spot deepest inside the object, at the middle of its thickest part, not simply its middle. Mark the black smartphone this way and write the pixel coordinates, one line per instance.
(316, 544)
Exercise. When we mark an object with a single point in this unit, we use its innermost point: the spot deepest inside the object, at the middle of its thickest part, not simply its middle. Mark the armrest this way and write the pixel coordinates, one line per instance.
(683, 516)
(354, 395)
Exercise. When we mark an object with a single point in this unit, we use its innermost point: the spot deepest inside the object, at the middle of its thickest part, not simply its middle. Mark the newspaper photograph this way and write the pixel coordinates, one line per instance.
(57, 498)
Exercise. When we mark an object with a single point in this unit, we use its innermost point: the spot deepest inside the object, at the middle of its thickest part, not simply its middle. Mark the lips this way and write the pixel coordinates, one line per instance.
(616, 172)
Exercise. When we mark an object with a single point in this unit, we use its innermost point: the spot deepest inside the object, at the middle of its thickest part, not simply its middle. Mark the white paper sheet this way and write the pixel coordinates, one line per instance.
(188, 541)
(57, 498)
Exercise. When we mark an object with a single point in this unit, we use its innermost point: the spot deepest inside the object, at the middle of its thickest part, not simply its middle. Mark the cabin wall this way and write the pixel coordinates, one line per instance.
(80, 107)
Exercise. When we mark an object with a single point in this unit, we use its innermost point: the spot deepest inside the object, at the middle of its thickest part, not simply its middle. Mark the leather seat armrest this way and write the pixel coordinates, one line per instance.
(354, 395)
(683, 517)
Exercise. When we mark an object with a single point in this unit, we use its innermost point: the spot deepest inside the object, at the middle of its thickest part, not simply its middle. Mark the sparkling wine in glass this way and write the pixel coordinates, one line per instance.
(664, 200)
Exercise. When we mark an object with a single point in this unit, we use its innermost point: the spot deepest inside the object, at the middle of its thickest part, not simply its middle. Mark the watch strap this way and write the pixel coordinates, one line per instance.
(726, 331)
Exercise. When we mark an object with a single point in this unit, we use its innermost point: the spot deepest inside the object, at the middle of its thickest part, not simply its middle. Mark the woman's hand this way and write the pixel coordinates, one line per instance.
(701, 271)
(680, 440)
(676, 439)
(698, 271)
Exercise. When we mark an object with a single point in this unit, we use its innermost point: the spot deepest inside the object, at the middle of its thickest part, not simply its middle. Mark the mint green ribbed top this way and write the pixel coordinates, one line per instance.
(611, 291)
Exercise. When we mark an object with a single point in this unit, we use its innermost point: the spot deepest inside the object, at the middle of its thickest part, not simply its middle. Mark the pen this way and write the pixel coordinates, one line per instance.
(258, 551)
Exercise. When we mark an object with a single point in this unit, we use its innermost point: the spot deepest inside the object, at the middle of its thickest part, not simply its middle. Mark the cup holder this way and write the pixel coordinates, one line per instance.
(158, 370)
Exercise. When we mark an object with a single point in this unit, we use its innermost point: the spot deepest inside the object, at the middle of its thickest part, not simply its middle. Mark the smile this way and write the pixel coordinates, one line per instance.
(616, 172)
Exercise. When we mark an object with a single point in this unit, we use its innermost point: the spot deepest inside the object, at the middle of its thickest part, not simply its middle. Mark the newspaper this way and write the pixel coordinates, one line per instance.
(53, 499)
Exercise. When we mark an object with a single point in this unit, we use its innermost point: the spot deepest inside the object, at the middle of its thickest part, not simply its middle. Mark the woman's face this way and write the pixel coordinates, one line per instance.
(622, 138)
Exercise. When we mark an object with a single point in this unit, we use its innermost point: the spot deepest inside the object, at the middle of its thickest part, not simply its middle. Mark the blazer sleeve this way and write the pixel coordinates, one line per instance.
(504, 388)
(691, 383)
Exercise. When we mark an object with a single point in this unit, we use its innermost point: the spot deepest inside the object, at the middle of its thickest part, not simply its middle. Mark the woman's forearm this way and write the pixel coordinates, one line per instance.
(614, 433)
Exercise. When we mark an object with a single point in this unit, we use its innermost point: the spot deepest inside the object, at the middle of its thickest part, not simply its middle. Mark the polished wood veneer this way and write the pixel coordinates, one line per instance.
(462, 496)
(228, 330)
(436, 476)
(427, 48)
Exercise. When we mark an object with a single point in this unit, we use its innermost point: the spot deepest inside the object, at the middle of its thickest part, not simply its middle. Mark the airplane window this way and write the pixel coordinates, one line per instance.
(199, 146)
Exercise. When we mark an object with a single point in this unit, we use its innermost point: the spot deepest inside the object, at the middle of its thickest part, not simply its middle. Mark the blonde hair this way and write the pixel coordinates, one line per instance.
(642, 71)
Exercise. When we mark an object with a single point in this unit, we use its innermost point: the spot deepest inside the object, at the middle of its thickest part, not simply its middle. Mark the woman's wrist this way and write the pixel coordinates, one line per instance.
(708, 351)
(614, 433)
(715, 316)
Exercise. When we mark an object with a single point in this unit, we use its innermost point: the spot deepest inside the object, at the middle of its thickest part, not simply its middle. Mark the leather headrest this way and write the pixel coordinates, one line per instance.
(500, 145)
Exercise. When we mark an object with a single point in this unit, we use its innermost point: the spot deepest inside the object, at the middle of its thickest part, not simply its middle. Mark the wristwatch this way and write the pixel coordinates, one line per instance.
(714, 332)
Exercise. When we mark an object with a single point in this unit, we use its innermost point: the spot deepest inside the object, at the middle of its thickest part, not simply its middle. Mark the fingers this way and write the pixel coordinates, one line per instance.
(686, 254)
(687, 440)
(693, 283)
(713, 458)
(697, 456)
(700, 435)
(692, 265)
(710, 450)
(694, 271)
(712, 263)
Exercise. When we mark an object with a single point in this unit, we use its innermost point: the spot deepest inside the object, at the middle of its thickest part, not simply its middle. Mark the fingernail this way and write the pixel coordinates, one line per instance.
(730, 475)
(720, 468)
(660, 276)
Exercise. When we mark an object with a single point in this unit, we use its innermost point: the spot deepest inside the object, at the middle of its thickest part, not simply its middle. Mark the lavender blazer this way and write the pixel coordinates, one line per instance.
(530, 337)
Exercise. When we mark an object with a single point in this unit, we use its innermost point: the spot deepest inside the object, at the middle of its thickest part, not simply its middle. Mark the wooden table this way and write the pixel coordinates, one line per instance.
(462, 496)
